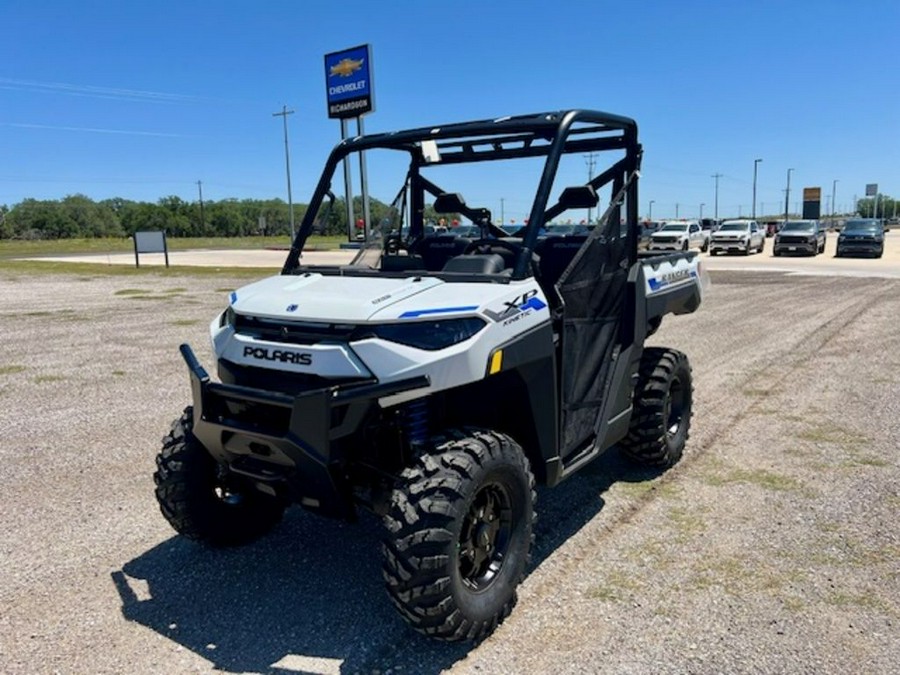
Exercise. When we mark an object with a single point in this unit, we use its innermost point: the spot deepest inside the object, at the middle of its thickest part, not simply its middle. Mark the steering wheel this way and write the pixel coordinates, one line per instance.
(510, 246)
(394, 243)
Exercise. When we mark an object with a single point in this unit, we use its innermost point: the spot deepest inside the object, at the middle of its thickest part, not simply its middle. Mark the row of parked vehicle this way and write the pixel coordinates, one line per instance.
(744, 236)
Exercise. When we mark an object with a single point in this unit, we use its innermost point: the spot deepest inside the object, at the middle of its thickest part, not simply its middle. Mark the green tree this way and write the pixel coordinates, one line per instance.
(887, 207)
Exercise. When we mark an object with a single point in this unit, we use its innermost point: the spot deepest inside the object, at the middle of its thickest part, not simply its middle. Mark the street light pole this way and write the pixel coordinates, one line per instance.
(716, 212)
(287, 162)
(650, 210)
(701, 210)
(833, 188)
(755, 164)
(787, 194)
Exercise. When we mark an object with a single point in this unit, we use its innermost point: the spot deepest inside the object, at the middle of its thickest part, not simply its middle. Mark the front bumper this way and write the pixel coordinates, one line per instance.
(666, 246)
(289, 444)
(738, 246)
(864, 247)
(795, 248)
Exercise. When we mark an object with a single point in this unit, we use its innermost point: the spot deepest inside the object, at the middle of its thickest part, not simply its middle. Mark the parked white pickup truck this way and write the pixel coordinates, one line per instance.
(739, 236)
(679, 235)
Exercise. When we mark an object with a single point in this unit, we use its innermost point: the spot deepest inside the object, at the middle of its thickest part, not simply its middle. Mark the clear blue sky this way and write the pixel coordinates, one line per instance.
(141, 100)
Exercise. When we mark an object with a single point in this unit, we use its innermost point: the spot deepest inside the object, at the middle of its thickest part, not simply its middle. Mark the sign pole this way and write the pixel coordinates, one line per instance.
(348, 185)
(364, 181)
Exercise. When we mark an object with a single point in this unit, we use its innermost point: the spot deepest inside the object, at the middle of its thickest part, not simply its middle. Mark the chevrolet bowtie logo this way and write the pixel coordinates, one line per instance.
(346, 67)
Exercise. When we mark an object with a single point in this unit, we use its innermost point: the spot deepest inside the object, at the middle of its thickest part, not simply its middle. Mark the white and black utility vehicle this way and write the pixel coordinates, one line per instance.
(436, 379)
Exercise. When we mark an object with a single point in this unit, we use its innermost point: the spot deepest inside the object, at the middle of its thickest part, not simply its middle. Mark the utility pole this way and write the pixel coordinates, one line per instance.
(755, 164)
(287, 161)
(202, 222)
(502, 214)
(717, 176)
(650, 210)
(787, 195)
(676, 210)
(589, 161)
(701, 211)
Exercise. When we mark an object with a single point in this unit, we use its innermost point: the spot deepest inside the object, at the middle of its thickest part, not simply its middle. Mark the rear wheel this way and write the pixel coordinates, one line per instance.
(662, 408)
(202, 503)
(458, 535)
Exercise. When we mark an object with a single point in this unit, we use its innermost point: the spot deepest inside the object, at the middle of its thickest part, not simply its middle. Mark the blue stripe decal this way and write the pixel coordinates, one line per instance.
(443, 310)
(233, 297)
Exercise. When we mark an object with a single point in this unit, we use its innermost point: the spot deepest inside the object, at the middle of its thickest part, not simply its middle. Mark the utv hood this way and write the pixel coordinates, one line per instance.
(316, 297)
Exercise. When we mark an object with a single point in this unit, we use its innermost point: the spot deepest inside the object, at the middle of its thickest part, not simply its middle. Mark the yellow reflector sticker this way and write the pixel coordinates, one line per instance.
(496, 362)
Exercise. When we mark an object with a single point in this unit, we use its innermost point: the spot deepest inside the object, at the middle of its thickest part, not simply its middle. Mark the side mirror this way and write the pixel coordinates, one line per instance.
(579, 197)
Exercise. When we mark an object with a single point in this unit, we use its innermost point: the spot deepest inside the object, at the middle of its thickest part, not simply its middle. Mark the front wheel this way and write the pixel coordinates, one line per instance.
(458, 535)
(202, 503)
(662, 408)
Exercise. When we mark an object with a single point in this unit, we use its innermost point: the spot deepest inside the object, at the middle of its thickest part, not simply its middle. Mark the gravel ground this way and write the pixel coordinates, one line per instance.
(772, 547)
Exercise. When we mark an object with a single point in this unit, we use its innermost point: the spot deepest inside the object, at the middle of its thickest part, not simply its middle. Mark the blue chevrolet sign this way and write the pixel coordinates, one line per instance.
(348, 82)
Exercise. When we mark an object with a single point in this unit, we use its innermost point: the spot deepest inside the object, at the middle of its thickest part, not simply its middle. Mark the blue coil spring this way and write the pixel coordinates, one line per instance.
(416, 422)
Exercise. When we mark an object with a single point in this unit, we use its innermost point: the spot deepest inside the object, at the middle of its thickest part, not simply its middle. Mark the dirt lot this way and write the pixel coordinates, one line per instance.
(773, 546)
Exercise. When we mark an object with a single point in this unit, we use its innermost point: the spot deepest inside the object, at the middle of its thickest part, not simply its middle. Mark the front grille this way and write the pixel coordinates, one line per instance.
(664, 240)
(298, 333)
(286, 382)
(792, 239)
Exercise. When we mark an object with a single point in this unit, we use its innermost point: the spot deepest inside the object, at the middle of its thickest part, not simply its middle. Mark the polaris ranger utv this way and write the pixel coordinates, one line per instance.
(437, 378)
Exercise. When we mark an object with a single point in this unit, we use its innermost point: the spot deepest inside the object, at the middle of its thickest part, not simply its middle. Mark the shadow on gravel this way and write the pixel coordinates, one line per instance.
(308, 598)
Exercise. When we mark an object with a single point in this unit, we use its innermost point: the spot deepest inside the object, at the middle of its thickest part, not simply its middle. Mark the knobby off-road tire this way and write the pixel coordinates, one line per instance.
(662, 408)
(198, 503)
(458, 535)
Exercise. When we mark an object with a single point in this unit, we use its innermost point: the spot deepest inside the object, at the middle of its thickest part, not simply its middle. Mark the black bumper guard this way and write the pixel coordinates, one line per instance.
(283, 440)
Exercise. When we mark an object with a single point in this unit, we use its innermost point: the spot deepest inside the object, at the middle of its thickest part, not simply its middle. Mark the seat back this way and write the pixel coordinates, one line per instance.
(490, 263)
(556, 252)
(437, 249)
(402, 263)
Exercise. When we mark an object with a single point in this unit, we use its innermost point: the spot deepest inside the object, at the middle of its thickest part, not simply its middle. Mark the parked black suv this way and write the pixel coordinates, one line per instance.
(865, 236)
(800, 237)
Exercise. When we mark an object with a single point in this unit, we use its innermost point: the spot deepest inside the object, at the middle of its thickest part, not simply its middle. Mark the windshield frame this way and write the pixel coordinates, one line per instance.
(543, 135)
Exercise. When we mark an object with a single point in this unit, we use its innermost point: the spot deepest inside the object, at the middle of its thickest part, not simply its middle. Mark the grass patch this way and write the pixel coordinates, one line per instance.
(131, 291)
(185, 322)
(759, 477)
(89, 271)
(119, 373)
(752, 392)
(832, 434)
(867, 600)
(687, 524)
(19, 249)
(41, 379)
(616, 587)
(11, 370)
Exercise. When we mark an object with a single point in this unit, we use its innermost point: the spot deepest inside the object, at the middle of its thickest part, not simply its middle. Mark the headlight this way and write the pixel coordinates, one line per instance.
(430, 335)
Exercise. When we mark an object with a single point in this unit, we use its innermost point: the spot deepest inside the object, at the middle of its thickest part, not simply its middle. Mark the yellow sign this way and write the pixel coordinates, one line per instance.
(812, 194)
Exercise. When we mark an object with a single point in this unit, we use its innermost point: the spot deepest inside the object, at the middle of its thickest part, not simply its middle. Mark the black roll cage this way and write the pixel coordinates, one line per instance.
(550, 135)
